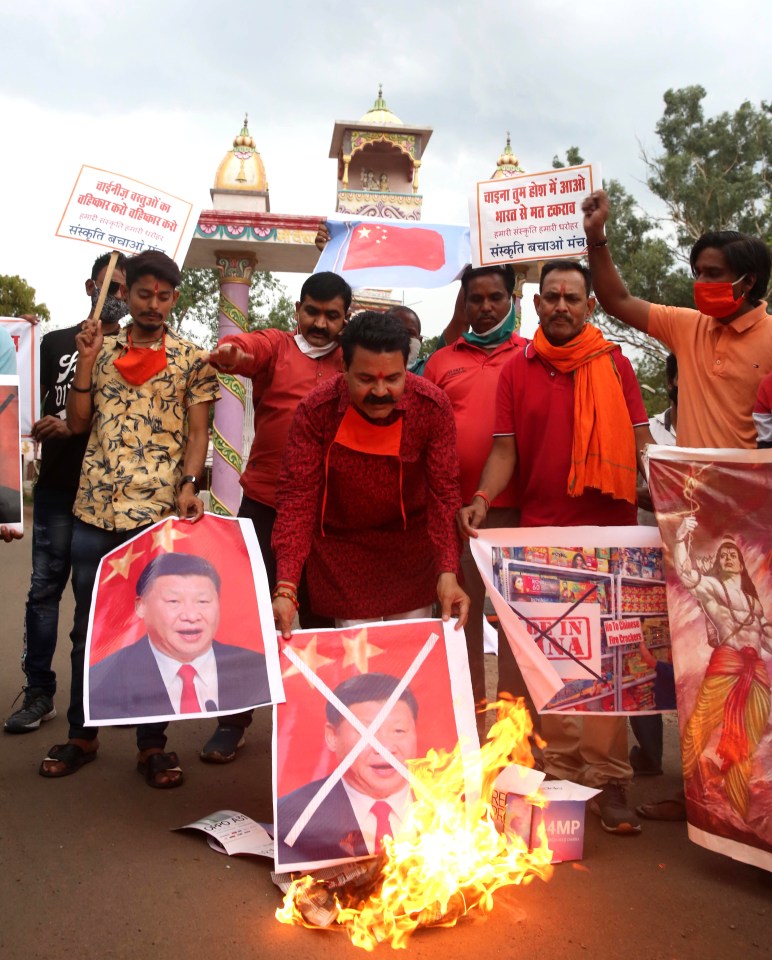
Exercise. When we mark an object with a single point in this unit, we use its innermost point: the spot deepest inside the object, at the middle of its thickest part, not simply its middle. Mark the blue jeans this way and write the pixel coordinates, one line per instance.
(52, 521)
(89, 545)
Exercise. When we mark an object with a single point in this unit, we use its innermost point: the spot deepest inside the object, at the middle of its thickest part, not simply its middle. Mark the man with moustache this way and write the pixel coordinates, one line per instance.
(468, 371)
(283, 367)
(368, 489)
(570, 425)
(61, 455)
(145, 396)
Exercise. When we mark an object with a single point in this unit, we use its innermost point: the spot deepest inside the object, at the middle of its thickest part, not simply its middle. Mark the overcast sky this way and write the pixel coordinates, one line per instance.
(157, 91)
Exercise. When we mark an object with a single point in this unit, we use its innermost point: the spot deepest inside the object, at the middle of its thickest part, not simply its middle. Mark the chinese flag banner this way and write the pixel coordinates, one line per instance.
(378, 245)
(715, 516)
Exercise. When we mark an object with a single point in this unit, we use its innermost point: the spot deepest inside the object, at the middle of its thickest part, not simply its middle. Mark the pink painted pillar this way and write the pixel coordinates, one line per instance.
(235, 277)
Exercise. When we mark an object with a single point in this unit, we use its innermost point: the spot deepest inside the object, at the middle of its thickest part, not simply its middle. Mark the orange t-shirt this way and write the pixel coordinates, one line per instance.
(720, 367)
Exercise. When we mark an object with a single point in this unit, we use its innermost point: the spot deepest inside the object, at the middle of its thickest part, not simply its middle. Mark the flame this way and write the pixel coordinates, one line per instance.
(448, 859)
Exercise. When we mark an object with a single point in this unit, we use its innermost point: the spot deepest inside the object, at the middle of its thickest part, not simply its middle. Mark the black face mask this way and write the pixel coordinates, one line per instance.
(113, 309)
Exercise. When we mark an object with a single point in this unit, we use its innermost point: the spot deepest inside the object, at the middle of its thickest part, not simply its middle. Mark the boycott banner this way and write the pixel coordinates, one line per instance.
(715, 515)
(11, 513)
(26, 338)
(588, 623)
(531, 216)
(115, 211)
(181, 625)
(362, 702)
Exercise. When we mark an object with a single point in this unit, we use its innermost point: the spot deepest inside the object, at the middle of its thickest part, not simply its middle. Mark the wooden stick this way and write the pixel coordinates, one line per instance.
(106, 284)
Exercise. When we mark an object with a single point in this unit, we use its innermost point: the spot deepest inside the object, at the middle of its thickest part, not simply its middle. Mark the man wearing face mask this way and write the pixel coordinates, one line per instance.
(468, 371)
(368, 490)
(284, 367)
(723, 348)
(61, 455)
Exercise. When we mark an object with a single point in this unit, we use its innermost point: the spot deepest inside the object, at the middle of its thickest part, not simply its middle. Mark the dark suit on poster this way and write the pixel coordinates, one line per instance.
(332, 833)
(129, 684)
(10, 505)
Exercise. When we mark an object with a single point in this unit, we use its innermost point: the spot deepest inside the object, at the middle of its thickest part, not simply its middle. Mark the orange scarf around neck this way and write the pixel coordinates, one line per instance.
(603, 451)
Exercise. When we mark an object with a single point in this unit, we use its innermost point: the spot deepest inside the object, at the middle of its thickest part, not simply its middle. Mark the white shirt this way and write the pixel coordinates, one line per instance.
(662, 429)
(205, 680)
(362, 804)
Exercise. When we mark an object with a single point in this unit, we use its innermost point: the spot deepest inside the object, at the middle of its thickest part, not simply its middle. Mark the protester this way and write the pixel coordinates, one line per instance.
(577, 390)
(369, 488)
(724, 347)
(284, 367)
(468, 371)
(61, 456)
(145, 396)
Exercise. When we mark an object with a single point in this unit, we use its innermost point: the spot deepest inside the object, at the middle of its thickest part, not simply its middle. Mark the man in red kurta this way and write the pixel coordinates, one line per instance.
(468, 371)
(284, 367)
(368, 490)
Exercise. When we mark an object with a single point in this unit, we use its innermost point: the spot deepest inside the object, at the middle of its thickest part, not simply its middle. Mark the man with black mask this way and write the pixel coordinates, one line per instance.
(60, 461)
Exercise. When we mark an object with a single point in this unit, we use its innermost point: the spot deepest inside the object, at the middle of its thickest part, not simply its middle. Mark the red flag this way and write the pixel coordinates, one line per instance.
(379, 245)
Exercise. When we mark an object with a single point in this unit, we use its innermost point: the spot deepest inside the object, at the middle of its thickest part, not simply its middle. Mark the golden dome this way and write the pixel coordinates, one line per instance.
(507, 165)
(379, 113)
(241, 168)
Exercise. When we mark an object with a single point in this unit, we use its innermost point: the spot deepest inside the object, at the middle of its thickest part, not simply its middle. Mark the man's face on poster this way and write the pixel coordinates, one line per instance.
(370, 773)
(181, 615)
(729, 560)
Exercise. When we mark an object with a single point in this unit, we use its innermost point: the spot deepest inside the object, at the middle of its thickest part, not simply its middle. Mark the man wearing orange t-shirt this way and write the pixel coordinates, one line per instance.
(723, 348)
(284, 367)
(468, 371)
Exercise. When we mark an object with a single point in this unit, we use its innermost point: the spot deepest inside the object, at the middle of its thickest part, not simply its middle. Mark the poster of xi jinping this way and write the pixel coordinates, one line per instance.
(11, 514)
(181, 625)
(585, 612)
(362, 703)
(715, 514)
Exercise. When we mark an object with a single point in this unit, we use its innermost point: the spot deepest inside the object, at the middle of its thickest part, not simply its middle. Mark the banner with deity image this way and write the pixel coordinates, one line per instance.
(715, 516)
(181, 625)
(587, 623)
(362, 702)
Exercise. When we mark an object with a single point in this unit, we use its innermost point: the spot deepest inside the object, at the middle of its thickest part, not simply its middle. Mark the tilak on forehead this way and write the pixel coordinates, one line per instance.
(155, 288)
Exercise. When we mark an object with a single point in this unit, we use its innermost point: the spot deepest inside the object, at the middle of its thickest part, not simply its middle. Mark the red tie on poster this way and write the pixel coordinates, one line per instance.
(381, 811)
(189, 702)
(387, 246)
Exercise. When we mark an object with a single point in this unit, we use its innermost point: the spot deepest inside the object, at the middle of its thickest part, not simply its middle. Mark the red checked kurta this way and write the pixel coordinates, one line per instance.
(369, 561)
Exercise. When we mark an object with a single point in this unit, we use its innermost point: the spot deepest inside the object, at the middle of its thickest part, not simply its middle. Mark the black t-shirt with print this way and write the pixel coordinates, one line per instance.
(61, 458)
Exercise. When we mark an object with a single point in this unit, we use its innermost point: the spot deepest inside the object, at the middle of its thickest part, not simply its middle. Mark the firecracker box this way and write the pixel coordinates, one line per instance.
(522, 801)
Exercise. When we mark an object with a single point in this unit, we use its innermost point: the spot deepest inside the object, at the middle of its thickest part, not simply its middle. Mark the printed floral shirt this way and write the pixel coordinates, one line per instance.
(136, 449)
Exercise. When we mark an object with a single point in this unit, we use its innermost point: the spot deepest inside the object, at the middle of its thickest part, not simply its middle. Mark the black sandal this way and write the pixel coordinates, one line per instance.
(71, 755)
(157, 764)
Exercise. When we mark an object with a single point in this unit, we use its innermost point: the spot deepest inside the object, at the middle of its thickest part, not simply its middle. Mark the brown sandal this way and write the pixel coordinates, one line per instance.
(157, 766)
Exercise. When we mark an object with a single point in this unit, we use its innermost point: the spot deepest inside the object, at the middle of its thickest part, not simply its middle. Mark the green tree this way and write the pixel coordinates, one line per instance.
(713, 173)
(18, 297)
(196, 312)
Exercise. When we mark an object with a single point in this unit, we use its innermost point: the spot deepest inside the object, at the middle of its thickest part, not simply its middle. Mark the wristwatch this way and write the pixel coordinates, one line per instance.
(194, 481)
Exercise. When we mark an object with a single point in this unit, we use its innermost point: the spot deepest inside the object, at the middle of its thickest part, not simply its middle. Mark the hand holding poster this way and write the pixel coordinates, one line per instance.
(715, 515)
(361, 704)
(172, 633)
(531, 216)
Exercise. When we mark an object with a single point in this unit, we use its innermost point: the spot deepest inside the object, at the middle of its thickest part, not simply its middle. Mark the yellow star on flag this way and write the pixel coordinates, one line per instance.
(122, 565)
(364, 232)
(311, 657)
(359, 651)
(164, 537)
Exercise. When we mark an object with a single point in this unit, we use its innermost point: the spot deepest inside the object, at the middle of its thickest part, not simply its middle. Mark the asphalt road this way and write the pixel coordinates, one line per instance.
(90, 869)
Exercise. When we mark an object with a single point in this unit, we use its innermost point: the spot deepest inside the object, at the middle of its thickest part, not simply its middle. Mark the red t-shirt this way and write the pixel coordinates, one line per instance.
(535, 402)
(281, 376)
(470, 376)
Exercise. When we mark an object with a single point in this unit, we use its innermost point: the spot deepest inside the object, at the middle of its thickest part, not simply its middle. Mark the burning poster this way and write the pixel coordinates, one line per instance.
(181, 625)
(362, 704)
(587, 623)
(715, 515)
(11, 514)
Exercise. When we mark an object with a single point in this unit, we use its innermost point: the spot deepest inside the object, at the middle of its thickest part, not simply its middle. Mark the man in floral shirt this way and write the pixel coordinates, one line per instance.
(145, 395)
